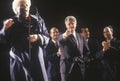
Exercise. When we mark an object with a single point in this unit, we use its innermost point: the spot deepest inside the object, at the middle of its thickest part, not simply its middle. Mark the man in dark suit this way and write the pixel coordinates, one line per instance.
(110, 56)
(72, 65)
(53, 56)
(92, 73)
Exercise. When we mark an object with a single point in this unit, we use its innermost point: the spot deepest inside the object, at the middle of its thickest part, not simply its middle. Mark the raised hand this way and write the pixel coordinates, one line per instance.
(8, 23)
(67, 33)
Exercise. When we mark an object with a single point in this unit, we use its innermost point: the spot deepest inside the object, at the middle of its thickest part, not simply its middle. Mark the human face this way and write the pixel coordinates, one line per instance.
(71, 25)
(108, 34)
(86, 33)
(23, 5)
(54, 33)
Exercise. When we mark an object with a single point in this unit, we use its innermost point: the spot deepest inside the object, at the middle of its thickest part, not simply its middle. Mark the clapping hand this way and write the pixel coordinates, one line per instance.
(106, 45)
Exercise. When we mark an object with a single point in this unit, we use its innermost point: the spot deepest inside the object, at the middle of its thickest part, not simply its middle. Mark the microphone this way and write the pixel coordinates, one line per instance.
(23, 19)
(22, 14)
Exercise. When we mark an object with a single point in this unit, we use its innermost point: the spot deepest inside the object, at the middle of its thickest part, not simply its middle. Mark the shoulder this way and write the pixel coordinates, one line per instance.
(34, 17)
(115, 40)
(79, 35)
(37, 17)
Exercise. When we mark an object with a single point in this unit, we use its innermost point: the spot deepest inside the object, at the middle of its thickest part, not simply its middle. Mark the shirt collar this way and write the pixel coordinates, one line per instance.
(74, 34)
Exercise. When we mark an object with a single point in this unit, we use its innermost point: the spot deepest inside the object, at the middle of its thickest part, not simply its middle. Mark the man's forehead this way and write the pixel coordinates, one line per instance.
(71, 19)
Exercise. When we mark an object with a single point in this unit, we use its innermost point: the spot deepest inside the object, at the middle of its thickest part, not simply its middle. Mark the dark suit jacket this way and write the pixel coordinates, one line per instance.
(92, 73)
(53, 68)
(110, 61)
(69, 69)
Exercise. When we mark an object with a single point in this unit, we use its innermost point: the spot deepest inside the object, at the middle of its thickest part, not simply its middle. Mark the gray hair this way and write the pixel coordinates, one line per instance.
(70, 17)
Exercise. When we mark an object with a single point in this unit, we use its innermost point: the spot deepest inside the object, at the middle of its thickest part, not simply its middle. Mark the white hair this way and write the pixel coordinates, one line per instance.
(16, 4)
(70, 17)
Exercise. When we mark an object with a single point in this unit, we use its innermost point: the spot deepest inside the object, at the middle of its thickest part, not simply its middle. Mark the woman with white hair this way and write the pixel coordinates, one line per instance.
(28, 36)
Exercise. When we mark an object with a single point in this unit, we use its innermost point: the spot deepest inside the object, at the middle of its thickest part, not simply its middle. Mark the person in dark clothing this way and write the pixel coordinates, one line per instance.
(27, 36)
(91, 72)
(53, 56)
(109, 56)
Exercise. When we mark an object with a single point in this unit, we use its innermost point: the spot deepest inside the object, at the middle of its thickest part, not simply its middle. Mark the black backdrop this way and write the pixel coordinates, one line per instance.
(94, 14)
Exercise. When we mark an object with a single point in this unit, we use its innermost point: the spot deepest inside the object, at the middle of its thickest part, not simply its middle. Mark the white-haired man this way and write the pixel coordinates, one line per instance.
(27, 35)
(72, 66)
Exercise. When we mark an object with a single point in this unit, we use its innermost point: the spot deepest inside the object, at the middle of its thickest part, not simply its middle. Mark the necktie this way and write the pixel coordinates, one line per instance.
(56, 44)
(76, 40)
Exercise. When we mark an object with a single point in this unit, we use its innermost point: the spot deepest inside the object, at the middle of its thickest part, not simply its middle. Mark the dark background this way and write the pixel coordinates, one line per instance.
(94, 14)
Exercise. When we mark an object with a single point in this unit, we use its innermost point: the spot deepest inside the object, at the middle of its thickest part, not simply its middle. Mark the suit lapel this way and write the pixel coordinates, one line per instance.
(53, 44)
(80, 42)
(72, 39)
(74, 42)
